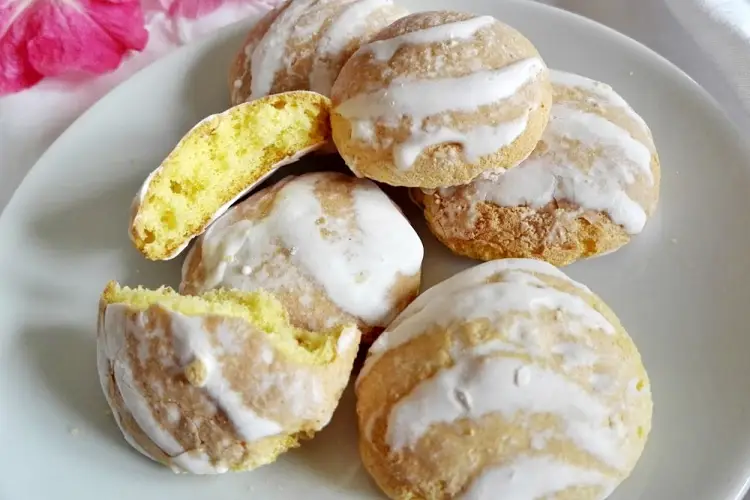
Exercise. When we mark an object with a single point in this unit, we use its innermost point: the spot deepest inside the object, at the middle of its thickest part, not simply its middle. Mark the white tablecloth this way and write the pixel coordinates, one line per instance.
(25, 132)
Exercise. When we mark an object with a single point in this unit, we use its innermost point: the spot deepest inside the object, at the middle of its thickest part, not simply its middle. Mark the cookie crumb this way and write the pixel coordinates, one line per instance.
(522, 376)
(197, 373)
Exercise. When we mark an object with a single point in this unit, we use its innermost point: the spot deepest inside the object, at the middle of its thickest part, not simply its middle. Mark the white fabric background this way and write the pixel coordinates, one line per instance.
(32, 120)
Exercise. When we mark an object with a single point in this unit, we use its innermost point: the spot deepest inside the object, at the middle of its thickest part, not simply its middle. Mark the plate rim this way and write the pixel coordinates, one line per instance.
(9, 209)
(246, 24)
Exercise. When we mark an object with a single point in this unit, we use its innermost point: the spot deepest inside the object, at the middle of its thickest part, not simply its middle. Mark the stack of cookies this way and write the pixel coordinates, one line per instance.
(506, 381)
(507, 158)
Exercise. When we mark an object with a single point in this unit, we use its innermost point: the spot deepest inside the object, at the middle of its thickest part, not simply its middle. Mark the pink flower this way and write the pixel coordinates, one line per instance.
(195, 9)
(41, 38)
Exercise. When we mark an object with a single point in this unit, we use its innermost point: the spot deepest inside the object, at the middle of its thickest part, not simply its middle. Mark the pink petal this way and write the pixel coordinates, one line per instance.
(53, 37)
(16, 73)
(193, 9)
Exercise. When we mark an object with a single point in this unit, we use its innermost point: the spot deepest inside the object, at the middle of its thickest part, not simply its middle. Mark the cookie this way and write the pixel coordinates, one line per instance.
(506, 381)
(334, 249)
(437, 98)
(303, 44)
(589, 186)
(216, 383)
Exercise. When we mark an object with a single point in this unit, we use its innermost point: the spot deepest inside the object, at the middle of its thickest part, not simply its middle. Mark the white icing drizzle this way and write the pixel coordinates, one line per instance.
(190, 343)
(603, 92)
(549, 175)
(534, 477)
(173, 413)
(139, 408)
(477, 142)
(490, 384)
(383, 50)
(593, 129)
(456, 284)
(112, 356)
(425, 98)
(422, 98)
(268, 57)
(349, 25)
(575, 355)
(466, 297)
(310, 25)
(356, 264)
(347, 338)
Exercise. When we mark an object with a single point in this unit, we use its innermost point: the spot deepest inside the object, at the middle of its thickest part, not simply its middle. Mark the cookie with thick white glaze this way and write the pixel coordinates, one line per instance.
(216, 383)
(438, 98)
(303, 44)
(333, 248)
(589, 186)
(507, 381)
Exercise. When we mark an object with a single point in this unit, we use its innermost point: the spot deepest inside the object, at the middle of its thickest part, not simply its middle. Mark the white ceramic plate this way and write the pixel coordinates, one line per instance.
(682, 288)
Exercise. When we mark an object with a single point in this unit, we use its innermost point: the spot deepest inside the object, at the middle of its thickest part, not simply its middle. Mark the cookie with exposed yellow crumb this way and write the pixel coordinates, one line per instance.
(220, 160)
(216, 382)
(590, 185)
(507, 381)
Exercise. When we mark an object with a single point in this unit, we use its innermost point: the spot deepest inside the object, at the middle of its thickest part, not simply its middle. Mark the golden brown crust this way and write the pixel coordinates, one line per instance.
(558, 233)
(495, 46)
(471, 222)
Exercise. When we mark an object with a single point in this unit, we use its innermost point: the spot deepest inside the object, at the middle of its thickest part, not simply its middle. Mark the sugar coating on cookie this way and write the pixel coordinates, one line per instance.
(591, 183)
(333, 248)
(303, 44)
(439, 97)
(216, 383)
(506, 381)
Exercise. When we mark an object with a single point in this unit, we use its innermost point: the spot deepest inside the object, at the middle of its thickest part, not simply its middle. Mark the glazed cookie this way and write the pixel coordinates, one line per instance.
(508, 381)
(218, 162)
(439, 97)
(303, 44)
(219, 382)
(591, 184)
(334, 249)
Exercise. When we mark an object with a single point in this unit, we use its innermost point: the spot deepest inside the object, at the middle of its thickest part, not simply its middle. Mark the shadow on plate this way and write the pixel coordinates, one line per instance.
(329, 454)
(65, 358)
(105, 215)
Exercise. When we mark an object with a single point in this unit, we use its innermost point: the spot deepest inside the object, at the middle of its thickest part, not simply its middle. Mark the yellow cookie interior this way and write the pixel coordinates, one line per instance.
(259, 308)
(220, 159)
